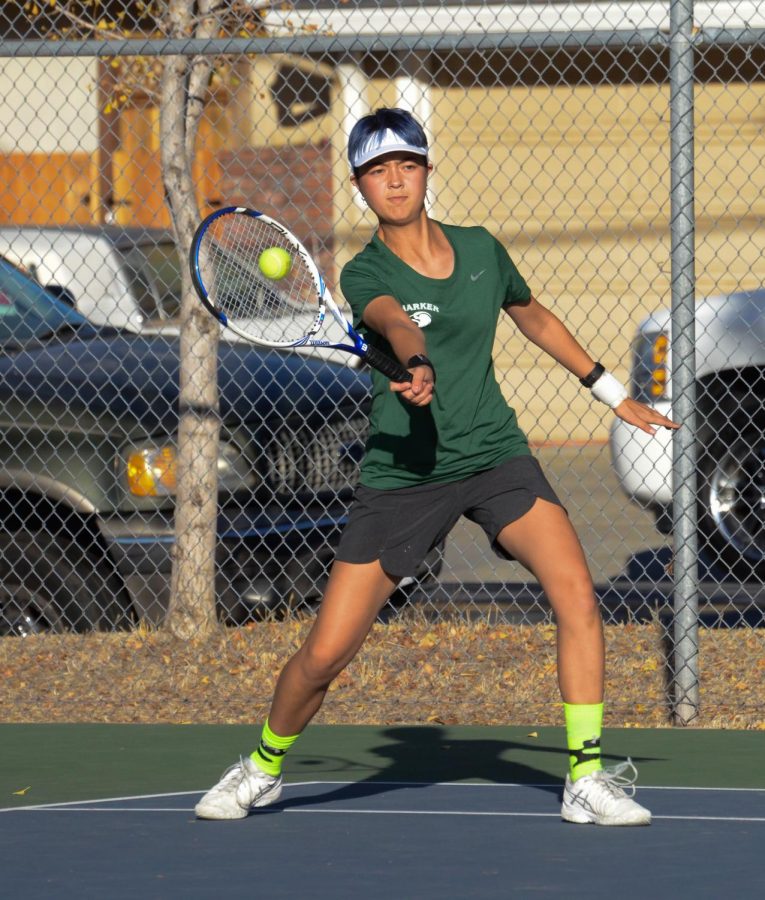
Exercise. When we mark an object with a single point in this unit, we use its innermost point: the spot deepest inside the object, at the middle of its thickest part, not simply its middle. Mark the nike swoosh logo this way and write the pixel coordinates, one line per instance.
(476, 275)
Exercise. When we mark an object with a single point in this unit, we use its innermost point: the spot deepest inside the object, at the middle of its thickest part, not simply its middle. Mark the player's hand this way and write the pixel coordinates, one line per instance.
(643, 416)
(418, 391)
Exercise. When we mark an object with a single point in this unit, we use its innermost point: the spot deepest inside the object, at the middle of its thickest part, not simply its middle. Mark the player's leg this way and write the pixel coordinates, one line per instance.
(396, 529)
(545, 542)
(354, 595)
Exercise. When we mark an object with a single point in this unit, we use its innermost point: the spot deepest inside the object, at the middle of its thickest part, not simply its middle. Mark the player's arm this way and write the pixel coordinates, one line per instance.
(545, 329)
(386, 316)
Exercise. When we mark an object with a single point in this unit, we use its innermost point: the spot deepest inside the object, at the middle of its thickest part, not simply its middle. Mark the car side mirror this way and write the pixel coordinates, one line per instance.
(61, 293)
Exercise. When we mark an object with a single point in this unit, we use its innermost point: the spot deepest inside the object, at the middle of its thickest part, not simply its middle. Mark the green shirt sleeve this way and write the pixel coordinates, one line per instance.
(361, 283)
(517, 292)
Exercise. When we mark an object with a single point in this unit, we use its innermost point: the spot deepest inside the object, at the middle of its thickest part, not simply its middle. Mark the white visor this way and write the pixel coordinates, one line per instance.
(383, 142)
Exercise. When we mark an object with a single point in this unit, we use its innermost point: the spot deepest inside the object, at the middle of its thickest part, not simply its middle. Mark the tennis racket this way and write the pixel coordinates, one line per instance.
(276, 300)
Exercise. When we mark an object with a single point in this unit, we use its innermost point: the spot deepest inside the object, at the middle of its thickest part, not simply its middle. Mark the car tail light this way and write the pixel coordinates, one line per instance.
(650, 374)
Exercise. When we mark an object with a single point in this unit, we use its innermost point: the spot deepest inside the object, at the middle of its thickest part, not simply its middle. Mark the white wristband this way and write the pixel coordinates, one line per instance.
(609, 390)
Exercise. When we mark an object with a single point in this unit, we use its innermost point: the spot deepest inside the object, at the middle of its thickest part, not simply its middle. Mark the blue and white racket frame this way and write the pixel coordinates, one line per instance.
(358, 346)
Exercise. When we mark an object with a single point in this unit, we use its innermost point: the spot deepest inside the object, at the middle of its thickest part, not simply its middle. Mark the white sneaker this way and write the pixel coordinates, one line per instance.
(604, 798)
(242, 787)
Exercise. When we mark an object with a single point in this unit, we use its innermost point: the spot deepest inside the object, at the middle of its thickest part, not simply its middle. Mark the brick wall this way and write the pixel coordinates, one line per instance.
(293, 184)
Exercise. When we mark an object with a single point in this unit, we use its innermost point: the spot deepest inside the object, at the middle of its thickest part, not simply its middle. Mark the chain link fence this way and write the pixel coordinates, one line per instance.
(550, 123)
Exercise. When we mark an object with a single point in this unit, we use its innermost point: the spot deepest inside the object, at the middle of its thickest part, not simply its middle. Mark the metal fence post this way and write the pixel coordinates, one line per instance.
(685, 680)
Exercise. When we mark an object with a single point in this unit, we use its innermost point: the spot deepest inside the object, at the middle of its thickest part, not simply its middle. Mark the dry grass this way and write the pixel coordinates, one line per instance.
(409, 671)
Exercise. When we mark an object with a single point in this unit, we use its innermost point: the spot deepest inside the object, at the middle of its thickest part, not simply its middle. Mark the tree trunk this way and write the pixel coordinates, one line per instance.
(191, 612)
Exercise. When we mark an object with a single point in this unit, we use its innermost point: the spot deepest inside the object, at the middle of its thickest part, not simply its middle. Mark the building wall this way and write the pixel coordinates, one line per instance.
(47, 106)
(576, 181)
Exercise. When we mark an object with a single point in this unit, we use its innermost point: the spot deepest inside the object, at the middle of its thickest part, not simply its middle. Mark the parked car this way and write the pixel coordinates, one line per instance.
(88, 421)
(124, 277)
(730, 396)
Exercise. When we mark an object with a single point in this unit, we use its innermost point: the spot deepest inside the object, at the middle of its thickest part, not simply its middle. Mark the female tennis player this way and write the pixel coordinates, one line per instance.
(446, 444)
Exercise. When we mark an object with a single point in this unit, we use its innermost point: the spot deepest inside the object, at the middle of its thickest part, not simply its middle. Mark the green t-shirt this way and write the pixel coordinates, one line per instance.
(468, 427)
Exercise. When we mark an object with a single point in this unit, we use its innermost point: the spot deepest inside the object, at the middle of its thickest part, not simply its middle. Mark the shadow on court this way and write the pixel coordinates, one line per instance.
(415, 756)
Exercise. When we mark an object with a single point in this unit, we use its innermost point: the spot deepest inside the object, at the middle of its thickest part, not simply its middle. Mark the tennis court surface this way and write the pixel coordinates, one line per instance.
(393, 812)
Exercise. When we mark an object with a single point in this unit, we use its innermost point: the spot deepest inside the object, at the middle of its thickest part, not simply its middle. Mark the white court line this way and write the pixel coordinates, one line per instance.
(714, 818)
(89, 805)
(395, 812)
(675, 787)
(70, 803)
(515, 815)
(105, 809)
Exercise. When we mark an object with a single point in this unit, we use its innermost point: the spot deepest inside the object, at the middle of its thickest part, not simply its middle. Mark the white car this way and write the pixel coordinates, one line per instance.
(123, 277)
(730, 398)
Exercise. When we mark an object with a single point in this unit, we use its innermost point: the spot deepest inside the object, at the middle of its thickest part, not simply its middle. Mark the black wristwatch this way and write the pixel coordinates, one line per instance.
(419, 359)
(590, 379)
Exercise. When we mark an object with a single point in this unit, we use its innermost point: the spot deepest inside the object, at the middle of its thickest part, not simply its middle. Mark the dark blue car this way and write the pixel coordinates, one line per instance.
(88, 421)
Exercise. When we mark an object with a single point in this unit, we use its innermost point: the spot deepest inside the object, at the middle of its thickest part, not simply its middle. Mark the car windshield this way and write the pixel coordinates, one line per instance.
(154, 275)
(28, 311)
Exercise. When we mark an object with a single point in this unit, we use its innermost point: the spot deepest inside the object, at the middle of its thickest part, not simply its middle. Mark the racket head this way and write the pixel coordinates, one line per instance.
(224, 263)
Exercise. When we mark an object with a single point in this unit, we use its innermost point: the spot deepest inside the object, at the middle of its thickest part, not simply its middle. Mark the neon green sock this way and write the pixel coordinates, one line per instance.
(584, 722)
(271, 750)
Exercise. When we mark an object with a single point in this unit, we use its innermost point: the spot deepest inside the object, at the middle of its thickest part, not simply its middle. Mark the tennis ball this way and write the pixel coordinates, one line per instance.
(275, 263)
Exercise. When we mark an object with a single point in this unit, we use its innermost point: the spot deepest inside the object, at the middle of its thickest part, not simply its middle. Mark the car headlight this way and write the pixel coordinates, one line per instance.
(151, 470)
(650, 374)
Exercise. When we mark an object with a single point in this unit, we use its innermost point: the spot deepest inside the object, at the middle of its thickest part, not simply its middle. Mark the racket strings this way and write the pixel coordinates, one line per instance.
(281, 310)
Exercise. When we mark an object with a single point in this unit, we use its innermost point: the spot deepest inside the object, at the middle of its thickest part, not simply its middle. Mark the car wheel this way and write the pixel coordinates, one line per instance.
(49, 584)
(732, 491)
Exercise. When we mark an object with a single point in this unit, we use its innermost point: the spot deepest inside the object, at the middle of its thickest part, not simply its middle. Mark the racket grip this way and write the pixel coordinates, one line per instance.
(389, 367)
